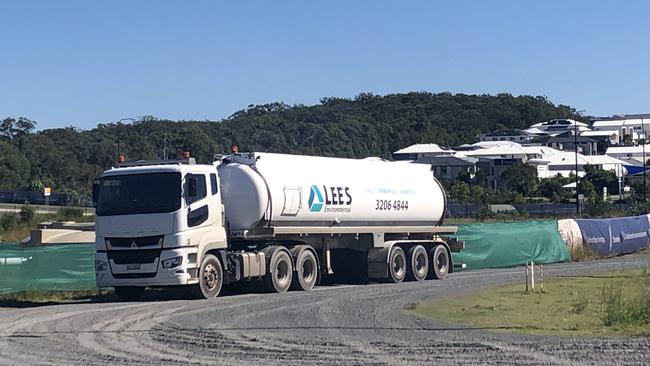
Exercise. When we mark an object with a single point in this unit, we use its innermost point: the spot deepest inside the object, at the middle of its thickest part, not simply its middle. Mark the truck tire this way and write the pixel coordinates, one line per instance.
(306, 273)
(279, 270)
(439, 262)
(396, 265)
(129, 293)
(210, 277)
(418, 263)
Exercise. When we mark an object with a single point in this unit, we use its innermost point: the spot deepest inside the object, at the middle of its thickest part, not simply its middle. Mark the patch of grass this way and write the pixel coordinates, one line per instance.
(634, 310)
(582, 254)
(609, 304)
(580, 303)
(614, 309)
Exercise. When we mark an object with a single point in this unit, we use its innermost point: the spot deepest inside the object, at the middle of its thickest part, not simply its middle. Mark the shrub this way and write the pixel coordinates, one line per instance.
(70, 213)
(7, 221)
(26, 214)
(614, 308)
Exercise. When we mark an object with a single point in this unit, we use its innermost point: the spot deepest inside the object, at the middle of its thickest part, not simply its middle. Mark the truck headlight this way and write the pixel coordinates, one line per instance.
(172, 262)
(100, 266)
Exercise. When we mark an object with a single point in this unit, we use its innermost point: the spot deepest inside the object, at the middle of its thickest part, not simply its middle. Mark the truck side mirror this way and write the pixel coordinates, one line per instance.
(96, 183)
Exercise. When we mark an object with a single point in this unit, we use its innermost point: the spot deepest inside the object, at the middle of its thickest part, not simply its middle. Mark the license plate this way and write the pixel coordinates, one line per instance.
(133, 267)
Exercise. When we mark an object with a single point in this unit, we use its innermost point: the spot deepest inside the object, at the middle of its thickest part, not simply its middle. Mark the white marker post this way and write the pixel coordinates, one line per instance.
(541, 278)
(532, 276)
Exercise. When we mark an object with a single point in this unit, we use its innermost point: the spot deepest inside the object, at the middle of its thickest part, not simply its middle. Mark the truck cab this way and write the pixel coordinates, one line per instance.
(154, 221)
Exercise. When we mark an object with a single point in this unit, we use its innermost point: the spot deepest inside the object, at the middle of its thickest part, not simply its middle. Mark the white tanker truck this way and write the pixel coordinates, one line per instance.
(282, 220)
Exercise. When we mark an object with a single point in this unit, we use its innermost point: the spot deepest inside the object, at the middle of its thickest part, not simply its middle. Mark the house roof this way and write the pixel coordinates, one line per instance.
(535, 131)
(566, 122)
(599, 133)
(448, 161)
(423, 148)
(625, 116)
(561, 139)
(491, 144)
(628, 149)
(507, 132)
(513, 150)
(569, 158)
(622, 122)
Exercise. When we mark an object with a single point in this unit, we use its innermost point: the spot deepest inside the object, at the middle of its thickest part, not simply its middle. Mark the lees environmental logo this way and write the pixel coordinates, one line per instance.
(315, 199)
(329, 199)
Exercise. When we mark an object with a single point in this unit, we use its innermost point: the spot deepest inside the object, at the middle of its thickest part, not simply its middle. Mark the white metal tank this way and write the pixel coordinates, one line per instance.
(296, 190)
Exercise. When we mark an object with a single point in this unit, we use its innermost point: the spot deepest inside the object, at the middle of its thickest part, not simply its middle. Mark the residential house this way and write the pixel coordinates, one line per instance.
(566, 141)
(448, 167)
(419, 151)
(630, 127)
(507, 135)
(633, 155)
(558, 126)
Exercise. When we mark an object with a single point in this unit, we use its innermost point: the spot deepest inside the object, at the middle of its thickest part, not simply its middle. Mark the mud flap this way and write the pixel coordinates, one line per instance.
(378, 263)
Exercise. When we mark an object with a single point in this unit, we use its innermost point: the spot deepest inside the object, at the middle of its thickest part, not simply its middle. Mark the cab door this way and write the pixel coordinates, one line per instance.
(197, 200)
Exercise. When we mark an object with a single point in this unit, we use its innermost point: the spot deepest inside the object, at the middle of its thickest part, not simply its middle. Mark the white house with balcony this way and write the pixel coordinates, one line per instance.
(631, 127)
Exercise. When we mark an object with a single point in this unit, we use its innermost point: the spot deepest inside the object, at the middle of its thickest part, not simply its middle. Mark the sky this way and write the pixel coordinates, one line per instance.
(80, 63)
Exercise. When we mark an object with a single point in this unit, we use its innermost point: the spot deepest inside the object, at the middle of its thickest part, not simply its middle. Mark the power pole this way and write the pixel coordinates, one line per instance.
(575, 142)
(645, 202)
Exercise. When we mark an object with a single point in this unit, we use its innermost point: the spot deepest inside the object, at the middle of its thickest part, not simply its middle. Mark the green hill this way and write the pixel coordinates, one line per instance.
(69, 159)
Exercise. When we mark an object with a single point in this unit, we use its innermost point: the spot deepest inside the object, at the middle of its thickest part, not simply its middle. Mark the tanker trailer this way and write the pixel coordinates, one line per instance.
(286, 221)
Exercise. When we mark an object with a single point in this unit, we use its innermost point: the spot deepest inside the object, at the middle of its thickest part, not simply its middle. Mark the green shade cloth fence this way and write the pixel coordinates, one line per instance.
(56, 267)
(72, 266)
(510, 244)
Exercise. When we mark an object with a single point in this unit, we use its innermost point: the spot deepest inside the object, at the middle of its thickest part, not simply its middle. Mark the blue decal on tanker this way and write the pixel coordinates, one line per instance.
(315, 199)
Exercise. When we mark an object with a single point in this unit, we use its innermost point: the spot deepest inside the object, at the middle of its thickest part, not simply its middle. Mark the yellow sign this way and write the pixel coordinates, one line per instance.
(47, 191)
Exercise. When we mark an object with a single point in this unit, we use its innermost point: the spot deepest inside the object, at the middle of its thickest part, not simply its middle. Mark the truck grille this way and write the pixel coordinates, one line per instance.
(143, 256)
(144, 241)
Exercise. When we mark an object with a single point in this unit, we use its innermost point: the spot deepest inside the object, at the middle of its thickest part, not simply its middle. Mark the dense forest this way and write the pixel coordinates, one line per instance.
(68, 159)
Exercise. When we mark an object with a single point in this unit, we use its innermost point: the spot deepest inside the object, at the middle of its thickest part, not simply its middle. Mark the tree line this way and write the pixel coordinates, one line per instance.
(520, 184)
(68, 159)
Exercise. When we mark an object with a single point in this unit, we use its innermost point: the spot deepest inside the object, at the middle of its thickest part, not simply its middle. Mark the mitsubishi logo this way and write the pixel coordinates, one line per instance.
(133, 244)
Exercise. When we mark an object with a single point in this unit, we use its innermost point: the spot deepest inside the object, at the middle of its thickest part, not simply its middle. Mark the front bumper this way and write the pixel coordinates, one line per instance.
(148, 274)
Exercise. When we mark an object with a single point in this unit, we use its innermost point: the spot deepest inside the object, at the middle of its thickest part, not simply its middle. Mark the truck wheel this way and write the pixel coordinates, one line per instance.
(210, 277)
(129, 293)
(439, 262)
(280, 271)
(418, 261)
(306, 270)
(396, 265)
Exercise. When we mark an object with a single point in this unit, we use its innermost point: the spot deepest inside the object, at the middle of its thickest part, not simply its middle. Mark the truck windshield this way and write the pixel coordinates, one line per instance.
(139, 194)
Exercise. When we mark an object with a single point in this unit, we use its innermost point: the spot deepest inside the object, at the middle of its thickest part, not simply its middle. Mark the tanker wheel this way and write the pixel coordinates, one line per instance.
(418, 263)
(439, 262)
(280, 271)
(306, 269)
(396, 265)
(210, 277)
(129, 293)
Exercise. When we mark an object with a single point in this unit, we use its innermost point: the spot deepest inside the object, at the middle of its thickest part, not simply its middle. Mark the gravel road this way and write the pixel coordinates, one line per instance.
(361, 324)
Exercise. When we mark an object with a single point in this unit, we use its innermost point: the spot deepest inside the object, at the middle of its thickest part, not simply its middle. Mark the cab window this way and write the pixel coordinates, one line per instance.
(195, 187)
(213, 183)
